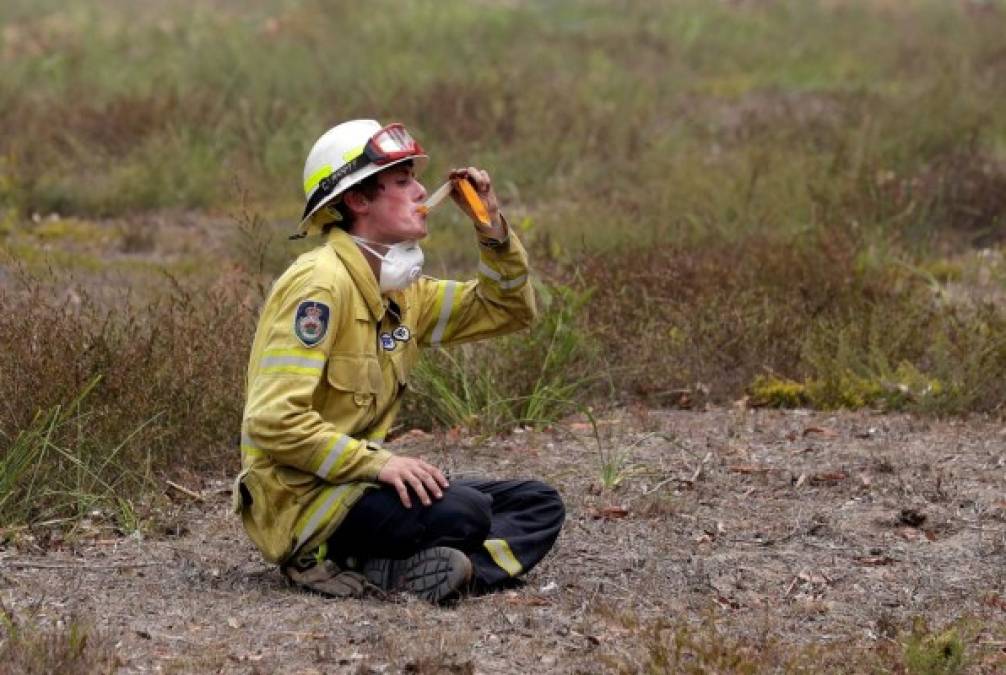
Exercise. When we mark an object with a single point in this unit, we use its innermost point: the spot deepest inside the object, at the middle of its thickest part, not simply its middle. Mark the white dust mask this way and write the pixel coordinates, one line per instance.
(401, 264)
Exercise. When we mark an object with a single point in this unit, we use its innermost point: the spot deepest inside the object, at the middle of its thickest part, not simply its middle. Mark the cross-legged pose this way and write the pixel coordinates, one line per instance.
(338, 335)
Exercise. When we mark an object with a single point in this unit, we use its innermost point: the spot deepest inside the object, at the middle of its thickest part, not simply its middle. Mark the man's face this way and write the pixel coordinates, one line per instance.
(391, 215)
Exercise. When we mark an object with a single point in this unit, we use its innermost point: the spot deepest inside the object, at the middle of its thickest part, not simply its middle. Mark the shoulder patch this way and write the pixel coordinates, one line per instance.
(310, 324)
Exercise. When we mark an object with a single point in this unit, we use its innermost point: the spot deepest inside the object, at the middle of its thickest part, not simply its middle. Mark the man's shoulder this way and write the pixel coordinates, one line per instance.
(319, 269)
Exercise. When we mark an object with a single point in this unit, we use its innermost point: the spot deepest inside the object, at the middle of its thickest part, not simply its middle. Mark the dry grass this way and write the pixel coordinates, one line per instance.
(666, 106)
(180, 358)
(709, 213)
(163, 384)
(796, 542)
(799, 203)
(69, 646)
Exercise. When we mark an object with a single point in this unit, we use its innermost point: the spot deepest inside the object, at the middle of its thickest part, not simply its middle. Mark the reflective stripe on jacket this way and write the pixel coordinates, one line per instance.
(316, 412)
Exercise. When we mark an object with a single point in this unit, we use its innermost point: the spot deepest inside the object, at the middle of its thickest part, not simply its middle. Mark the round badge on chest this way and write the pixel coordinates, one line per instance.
(402, 334)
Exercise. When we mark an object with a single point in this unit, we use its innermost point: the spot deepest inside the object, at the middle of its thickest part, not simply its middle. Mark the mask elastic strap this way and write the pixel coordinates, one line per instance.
(362, 243)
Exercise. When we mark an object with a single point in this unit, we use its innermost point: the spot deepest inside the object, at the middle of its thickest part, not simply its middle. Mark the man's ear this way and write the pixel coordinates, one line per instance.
(356, 202)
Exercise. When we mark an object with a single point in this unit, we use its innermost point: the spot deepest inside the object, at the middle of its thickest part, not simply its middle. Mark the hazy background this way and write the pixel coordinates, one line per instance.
(788, 203)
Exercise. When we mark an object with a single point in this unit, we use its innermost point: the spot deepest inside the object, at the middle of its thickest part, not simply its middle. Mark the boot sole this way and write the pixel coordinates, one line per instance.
(435, 574)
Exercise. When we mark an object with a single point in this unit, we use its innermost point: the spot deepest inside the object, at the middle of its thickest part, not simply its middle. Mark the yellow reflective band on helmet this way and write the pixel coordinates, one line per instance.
(312, 181)
(503, 556)
(350, 155)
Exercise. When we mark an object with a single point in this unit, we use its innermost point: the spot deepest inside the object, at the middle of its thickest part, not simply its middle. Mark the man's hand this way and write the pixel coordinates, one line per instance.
(405, 472)
(479, 179)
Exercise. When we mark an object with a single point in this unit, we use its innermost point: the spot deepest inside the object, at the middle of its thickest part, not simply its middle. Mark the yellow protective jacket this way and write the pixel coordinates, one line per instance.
(327, 370)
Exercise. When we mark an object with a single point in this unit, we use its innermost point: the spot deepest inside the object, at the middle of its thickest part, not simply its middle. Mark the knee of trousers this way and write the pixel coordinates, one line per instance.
(470, 513)
(549, 499)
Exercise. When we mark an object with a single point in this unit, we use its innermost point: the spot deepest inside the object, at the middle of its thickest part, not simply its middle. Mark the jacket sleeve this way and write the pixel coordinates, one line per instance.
(280, 418)
(500, 300)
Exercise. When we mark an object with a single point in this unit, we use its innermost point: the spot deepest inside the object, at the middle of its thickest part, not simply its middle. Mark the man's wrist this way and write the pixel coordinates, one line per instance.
(381, 457)
(498, 236)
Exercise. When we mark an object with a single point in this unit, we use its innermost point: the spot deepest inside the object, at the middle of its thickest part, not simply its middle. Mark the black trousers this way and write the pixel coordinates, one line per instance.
(505, 527)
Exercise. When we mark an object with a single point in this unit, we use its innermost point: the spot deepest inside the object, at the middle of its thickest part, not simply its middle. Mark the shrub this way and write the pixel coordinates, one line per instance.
(163, 380)
(54, 468)
(776, 392)
(527, 379)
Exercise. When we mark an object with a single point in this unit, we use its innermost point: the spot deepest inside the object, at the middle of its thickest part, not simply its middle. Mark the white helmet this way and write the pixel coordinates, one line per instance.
(345, 155)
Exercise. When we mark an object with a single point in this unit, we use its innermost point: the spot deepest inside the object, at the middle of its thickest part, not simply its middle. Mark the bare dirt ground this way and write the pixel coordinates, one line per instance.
(787, 528)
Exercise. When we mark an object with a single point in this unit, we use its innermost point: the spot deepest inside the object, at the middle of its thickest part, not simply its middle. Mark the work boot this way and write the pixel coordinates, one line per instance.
(330, 579)
(437, 574)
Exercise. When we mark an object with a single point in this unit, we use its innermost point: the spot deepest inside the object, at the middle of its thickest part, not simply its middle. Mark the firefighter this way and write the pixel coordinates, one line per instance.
(338, 336)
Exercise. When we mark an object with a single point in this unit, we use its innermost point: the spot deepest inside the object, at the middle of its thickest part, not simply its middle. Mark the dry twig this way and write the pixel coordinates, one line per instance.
(60, 566)
(185, 491)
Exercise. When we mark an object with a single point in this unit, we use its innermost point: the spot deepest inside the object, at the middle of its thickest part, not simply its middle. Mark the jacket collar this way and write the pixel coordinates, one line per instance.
(359, 269)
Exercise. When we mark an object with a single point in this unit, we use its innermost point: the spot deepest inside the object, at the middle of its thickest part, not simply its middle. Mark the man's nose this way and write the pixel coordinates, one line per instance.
(421, 193)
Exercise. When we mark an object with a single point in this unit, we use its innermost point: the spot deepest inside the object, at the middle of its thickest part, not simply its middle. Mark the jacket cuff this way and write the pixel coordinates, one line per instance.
(501, 245)
(375, 462)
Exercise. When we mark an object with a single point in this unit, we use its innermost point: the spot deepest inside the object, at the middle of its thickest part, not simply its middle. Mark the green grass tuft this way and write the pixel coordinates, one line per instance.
(526, 380)
(928, 653)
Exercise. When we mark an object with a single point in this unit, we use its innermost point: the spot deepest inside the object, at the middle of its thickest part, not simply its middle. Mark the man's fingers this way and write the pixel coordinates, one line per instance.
(422, 477)
(418, 488)
(403, 493)
(473, 177)
(483, 180)
(425, 471)
(478, 178)
(431, 484)
(437, 474)
(441, 478)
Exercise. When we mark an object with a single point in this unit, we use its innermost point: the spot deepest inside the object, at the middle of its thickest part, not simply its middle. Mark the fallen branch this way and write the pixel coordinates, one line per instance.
(4, 531)
(185, 491)
(60, 566)
(656, 487)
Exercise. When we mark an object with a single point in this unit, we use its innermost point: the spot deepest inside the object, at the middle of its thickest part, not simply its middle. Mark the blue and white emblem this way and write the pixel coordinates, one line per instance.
(387, 342)
(402, 333)
(310, 324)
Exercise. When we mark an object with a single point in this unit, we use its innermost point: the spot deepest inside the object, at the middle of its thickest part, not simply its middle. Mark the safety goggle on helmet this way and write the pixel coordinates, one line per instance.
(350, 152)
(390, 143)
